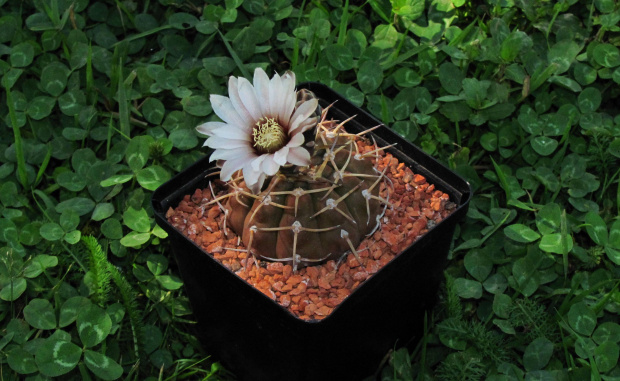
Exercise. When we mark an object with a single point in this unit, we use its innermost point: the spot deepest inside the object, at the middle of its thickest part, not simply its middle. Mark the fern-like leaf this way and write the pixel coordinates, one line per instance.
(130, 301)
(103, 273)
(98, 269)
(452, 301)
(532, 320)
(461, 366)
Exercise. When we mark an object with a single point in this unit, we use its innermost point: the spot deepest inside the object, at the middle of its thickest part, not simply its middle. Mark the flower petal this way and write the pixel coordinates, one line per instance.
(259, 182)
(276, 97)
(208, 127)
(269, 166)
(230, 132)
(261, 88)
(257, 162)
(280, 155)
(302, 113)
(258, 185)
(296, 140)
(223, 107)
(307, 124)
(237, 102)
(289, 76)
(248, 97)
(298, 156)
(217, 142)
(232, 166)
(250, 175)
(288, 87)
(228, 154)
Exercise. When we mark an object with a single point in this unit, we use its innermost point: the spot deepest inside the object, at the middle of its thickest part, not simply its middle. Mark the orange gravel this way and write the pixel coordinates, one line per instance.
(311, 293)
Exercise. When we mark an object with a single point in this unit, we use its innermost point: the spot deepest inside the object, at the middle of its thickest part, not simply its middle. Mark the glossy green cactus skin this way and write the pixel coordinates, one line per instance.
(311, 214)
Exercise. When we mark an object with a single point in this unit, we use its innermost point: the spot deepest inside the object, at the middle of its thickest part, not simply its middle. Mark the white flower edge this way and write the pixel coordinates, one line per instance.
(247, 105)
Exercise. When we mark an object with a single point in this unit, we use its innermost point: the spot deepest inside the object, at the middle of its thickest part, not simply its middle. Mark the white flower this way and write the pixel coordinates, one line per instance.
(262, 127)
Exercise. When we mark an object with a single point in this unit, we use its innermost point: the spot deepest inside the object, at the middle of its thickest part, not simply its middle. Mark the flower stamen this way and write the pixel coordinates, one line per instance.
(268, 135)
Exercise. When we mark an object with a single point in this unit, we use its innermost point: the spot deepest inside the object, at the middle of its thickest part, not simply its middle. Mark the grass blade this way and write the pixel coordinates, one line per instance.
(502, 180)
(342, 32)
(377, 8)
(404, 57)
(19, 149)
(44, 165)
(143, 34)
(235, 57)
(565, 237)
(295, 57)
(540, 77)
(91, 91)
(123, 108)
(464, 33)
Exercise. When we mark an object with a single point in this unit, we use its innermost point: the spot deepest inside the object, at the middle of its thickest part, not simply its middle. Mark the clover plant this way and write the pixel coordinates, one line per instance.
(99, 105)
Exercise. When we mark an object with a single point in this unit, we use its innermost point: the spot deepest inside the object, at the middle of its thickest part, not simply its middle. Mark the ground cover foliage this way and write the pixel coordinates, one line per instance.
(98, 107)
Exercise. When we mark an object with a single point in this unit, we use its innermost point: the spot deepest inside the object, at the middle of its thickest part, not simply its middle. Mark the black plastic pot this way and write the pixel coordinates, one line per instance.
(257, 339)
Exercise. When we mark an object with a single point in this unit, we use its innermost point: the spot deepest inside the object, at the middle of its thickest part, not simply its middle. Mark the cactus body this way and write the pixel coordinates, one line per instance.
(310, 214)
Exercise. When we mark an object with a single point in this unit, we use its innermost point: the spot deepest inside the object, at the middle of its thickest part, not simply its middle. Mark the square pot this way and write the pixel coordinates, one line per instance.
(257, 339)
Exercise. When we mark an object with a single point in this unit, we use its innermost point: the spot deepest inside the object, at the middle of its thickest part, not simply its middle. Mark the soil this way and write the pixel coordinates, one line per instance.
(312, 293)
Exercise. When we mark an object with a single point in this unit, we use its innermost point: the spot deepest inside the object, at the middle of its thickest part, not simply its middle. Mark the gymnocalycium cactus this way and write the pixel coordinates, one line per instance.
(290, 201)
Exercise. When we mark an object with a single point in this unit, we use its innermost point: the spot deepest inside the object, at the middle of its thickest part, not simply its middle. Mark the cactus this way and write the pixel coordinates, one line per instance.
(306, 215)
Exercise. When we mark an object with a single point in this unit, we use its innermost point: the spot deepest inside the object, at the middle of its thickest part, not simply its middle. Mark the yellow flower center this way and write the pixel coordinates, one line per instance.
(268, 135)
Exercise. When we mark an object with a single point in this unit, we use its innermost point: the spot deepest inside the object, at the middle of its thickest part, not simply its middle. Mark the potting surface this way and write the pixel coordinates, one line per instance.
(312, 293)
